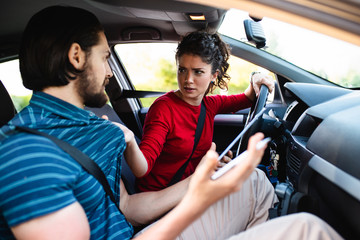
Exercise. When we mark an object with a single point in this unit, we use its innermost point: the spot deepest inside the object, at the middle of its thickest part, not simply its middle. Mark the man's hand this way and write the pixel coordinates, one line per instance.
(204, 191)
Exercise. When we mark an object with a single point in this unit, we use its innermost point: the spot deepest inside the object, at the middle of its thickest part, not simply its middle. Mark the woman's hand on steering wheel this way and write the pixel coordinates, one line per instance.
(258, 95)
(258, 79)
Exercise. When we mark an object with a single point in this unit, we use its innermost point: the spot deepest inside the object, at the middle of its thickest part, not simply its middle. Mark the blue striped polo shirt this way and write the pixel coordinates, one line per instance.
(38, 178)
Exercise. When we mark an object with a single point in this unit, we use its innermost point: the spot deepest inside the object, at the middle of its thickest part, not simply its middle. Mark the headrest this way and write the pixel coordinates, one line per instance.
(7, 109)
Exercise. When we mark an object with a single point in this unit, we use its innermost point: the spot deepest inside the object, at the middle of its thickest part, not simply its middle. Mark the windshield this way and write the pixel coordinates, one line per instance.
(334, 60)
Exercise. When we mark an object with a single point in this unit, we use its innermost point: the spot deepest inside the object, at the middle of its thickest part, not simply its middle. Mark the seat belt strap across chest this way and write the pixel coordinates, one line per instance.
(199, 128)
(84, 160)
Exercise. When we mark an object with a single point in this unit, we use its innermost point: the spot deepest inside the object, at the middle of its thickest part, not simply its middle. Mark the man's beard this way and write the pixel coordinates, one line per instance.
(87, 89)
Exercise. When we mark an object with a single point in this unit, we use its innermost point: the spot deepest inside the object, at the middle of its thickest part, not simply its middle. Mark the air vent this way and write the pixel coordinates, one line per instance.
(294, 163)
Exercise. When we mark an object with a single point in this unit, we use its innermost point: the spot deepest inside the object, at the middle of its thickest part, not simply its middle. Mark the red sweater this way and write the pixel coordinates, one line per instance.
(169, 132)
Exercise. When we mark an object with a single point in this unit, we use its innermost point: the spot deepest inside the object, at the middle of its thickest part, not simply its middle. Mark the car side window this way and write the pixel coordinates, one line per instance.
(152, 67)
(11, 78)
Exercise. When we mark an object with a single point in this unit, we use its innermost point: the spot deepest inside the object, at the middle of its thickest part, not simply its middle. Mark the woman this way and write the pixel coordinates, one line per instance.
(171, 121)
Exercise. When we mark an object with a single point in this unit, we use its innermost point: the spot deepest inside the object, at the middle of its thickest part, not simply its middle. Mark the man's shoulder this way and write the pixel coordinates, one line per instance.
(12, 136)
(21, 145)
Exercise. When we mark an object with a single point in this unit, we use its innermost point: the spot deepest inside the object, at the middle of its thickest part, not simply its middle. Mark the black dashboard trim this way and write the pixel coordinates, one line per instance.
(343, 180)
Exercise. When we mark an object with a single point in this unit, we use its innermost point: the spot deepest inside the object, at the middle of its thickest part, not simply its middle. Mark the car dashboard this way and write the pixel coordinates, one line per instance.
(321, 151)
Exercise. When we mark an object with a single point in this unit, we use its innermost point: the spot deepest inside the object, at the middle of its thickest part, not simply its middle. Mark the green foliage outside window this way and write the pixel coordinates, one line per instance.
(20, 102)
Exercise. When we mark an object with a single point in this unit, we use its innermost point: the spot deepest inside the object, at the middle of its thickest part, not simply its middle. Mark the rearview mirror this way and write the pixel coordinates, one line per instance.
(254, 33)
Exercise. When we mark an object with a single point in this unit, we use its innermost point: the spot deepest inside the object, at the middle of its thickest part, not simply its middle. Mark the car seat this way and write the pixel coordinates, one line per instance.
(7, 108)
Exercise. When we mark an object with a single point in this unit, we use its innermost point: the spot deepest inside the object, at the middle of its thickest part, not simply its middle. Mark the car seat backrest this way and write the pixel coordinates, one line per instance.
(7, 108)
(126, 174)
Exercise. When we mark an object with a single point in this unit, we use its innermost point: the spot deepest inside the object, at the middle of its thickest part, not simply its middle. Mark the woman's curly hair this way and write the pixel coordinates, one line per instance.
(212, 50)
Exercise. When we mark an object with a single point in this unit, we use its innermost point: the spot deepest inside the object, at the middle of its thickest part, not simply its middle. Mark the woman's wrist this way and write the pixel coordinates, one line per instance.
(250, 93)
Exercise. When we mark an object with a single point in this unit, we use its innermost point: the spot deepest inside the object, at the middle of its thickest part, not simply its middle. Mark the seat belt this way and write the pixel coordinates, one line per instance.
(84, 160)
(199, 128)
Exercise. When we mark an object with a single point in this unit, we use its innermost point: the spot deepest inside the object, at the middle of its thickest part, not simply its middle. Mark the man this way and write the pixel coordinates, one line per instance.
(45, 194)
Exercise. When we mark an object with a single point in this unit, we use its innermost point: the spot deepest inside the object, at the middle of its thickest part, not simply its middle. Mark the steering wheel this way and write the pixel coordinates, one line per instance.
(255, 109)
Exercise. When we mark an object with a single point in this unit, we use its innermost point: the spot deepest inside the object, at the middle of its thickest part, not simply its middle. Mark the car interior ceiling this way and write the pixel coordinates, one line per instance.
(123, 21)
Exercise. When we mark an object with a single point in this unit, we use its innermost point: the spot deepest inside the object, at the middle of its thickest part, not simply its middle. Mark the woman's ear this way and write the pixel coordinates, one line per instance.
(76, 56)
(214, 76)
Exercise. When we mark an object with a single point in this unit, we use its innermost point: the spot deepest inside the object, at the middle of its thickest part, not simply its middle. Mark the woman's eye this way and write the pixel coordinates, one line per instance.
(181, 70)
(198, 72)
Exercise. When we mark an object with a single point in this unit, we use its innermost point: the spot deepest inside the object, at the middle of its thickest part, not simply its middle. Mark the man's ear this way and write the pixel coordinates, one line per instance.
(76, 56)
